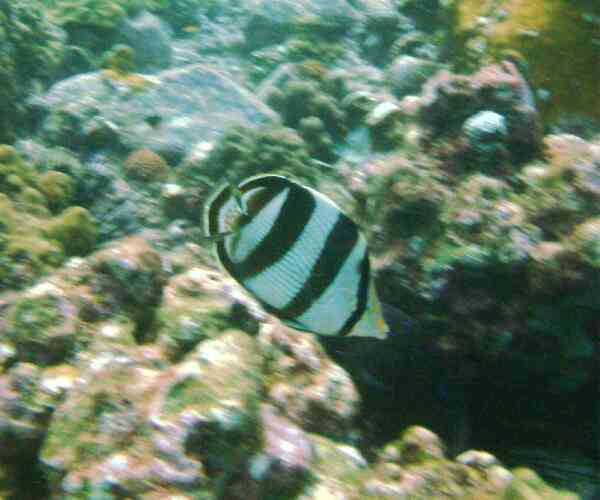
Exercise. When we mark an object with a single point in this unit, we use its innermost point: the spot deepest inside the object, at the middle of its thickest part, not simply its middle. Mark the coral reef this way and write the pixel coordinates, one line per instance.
(206, 408)
(136, 369)
(310, 102)
(225, 414)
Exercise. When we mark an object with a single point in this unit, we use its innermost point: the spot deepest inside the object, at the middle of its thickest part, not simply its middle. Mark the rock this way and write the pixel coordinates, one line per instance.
(199, 304)
(376, 8)
(130, 273)
(477, 458)
(414, 466)
(407, 74)
(22, 412)
(101, 420)
(311, 390)
(585, 240)
(287, 457)
(204, 411)
(448, 100)
(407, 199)
(416, 444)
(149, 37)
(527, 485)
(43, 325)
(487, 133)
(272, 22)
(190, 104)
(337, 473)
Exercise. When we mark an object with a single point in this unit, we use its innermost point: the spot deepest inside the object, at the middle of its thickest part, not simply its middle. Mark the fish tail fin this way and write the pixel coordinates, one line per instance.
(398, 321)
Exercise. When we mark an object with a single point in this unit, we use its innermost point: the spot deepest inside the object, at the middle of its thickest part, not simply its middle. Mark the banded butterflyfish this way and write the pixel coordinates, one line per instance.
(297, 254)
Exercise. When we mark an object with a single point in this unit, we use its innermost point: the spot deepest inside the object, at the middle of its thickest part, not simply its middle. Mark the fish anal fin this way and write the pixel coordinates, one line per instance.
(294, 324)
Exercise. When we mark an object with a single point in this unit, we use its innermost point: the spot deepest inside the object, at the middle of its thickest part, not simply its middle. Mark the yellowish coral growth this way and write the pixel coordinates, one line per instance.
(555, 38)
(135, 81)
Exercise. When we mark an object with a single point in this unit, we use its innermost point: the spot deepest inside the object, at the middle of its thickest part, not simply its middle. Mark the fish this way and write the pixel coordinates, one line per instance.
(297, 254)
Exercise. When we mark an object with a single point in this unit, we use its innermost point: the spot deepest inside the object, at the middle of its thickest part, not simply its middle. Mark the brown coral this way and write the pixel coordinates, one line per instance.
(146, 165)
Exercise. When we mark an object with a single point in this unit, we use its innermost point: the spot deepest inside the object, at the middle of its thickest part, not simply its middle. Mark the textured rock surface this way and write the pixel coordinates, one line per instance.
(312, 391)
(272, 22)
(193, 104)
(149, 37)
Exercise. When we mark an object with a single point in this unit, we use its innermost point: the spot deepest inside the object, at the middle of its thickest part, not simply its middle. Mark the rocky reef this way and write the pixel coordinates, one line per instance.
(212, 397)
(132, 367)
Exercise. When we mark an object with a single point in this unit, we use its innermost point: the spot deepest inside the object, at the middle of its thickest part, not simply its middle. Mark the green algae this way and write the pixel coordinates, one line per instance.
(527, 485)
(14, 172)
(32, 50)
(32, 242)
(121, 59)
(33, 316)
(8, 215)
(35, 251)
(245, 151)
(75, 230)
(586, 241)
(185, 327)
(58, 189)
(84, 422)
(238, 377)
(102, 14)
(220, 382)
(44, 328)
